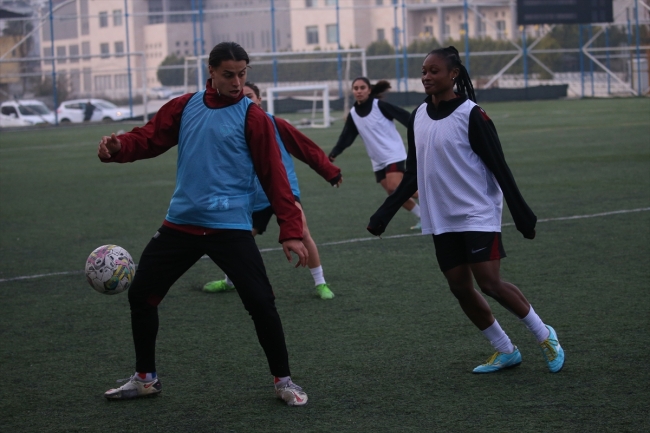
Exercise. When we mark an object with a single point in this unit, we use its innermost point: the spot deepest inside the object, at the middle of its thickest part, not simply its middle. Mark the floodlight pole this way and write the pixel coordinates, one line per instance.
(56, 102)
(404, 42)
(395, 43)
(591, 65)
(638, 51)
(128, 56)
(524, 46)
(582, 65)
(339, 68)
(275, 59)
(609, 78)
(466, 37)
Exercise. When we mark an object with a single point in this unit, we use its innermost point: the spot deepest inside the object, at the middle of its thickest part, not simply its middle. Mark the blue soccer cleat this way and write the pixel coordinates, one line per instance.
(500, 361)
(552, 351)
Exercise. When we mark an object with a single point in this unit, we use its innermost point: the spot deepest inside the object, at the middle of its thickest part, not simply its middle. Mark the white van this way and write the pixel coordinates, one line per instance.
(24, 112)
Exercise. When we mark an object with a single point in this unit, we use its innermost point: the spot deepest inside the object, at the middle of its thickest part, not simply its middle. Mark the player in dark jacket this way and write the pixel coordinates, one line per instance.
(456, 162)
(225, 142)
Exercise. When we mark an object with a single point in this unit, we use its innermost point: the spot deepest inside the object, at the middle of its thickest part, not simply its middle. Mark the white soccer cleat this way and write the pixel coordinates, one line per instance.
(134, 388)
(292, 394)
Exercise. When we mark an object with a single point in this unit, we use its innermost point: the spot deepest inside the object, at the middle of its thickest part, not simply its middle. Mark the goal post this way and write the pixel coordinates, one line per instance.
(308, 93)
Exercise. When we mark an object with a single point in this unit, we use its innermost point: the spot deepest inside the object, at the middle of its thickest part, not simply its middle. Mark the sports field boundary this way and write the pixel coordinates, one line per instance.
(355, 240)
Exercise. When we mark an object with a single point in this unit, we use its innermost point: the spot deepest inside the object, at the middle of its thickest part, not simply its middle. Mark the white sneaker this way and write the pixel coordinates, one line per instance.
(292, 394)
(134, 388)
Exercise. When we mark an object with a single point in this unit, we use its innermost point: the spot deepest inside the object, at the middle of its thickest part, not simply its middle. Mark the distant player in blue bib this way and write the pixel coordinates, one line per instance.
(291, 142)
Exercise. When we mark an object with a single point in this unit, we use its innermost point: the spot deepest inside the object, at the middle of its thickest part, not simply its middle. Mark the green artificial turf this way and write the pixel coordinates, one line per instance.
(392, 352)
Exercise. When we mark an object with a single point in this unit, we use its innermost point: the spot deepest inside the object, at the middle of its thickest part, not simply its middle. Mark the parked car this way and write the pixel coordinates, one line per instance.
(104, 111)
(176, 94)
(24, 112)
(160, 92)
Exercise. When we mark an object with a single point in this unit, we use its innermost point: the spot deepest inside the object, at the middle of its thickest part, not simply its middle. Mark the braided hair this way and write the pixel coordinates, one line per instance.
(377, 89)
(463, 82)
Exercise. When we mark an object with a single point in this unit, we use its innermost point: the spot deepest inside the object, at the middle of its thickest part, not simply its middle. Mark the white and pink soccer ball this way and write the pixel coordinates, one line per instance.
(110, 269)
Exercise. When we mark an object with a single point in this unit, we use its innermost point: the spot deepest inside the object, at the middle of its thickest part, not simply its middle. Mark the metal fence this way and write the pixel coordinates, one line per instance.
(595, 60)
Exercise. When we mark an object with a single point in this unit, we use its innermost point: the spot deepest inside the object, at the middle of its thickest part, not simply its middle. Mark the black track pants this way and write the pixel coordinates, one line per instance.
(170, 254)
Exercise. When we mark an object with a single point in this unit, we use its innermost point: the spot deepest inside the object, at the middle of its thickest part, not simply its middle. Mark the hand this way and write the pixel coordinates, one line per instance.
(530, 234)
(332, 158)
(108, 146)
(337, 184)
(297, 247)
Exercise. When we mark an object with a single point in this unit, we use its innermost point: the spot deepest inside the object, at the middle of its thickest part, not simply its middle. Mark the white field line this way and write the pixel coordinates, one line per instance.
(350, 241)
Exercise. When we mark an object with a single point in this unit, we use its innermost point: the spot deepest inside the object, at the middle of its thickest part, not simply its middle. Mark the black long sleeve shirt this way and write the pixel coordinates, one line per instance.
(484, 141)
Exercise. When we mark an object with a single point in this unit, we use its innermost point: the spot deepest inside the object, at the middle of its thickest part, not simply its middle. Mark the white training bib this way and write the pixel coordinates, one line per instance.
(457, 191)
(383, 143)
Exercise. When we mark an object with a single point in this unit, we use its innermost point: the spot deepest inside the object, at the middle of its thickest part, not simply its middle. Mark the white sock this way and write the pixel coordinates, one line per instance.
(416, 210)
(317, 273)
(229, 281)
(498, 339)
(535, 325)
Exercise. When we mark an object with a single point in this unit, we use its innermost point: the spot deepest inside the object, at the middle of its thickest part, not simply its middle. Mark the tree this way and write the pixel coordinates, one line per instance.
(380, 68)
(170, 72)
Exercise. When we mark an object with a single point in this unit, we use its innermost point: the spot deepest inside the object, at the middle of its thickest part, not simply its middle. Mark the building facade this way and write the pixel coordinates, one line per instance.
(90, 38)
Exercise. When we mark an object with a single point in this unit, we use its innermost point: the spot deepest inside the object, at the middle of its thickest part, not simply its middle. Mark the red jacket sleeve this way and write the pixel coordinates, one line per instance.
(300, 146)
(265, 152)
(156, 137)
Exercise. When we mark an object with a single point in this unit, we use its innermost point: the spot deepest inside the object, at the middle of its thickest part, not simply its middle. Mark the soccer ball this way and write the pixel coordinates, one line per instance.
(110, 269)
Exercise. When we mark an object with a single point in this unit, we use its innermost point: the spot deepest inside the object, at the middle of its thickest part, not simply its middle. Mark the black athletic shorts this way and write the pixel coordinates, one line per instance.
(458, 248)
(399, 166)
(262, 217)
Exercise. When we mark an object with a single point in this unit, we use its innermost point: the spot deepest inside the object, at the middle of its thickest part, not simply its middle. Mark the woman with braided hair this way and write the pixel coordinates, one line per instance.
(373, 118)
(456, 161)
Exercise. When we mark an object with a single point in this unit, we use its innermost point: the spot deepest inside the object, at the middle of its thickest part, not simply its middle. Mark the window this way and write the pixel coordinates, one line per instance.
(121, 81)
(312, 34)
(381, 34)
(47, 52)
(481, 27)
(119, 49)
(102, 82)
(310, 3)
(85, 51)
(428, 31)
(74, 51)
(379, 3)
(331, 30)
(9, 111)
(87, 80)
(155, 7)
(446, 31)
(117, 18)
(501, 29)
(104, 50)
(103, 19)
(330, 2)
(60, 53)
(75, 81)
(85, 22)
